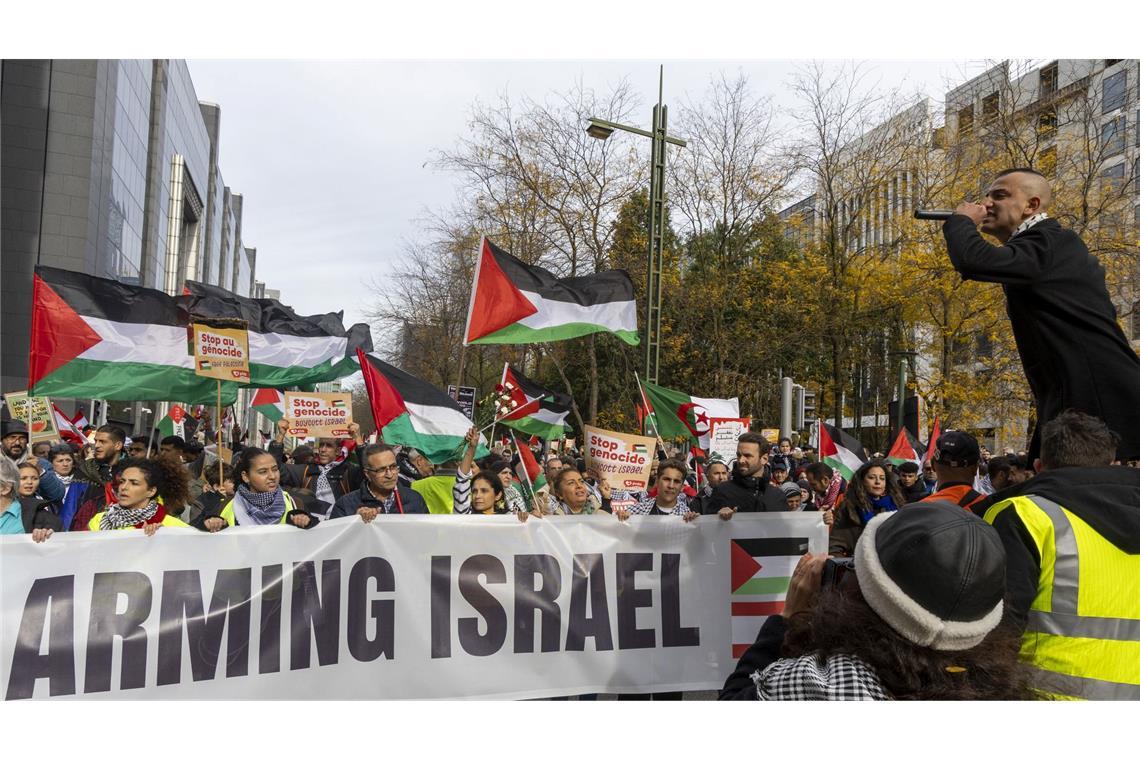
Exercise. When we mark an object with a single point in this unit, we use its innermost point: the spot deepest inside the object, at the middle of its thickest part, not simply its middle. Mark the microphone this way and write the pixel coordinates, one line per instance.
(936, 214)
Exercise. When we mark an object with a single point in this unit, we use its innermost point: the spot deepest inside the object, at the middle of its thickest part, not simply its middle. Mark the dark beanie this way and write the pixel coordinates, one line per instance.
(935, 573)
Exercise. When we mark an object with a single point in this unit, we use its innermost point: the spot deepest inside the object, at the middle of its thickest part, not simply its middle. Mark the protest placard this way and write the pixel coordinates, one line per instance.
(724, 432)
(771, 435)
(318, 415)
(623, 460)
(36, 413)
(221, 352)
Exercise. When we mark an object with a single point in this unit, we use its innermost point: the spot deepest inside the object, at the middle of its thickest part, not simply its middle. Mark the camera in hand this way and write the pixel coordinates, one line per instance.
(835, 570)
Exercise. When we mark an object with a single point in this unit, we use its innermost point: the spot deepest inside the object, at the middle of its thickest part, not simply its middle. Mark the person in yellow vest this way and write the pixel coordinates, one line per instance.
(145, 485)
(1072, 539)
(258, 499)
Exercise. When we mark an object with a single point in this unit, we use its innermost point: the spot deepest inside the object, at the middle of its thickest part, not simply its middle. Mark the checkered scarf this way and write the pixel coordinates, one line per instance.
(841, 677)
(263, 508)
(117, 516)
(1030, 222)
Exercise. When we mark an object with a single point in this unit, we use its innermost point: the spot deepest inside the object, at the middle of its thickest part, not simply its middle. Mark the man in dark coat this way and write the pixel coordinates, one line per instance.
(1074, 353)
(748, 490)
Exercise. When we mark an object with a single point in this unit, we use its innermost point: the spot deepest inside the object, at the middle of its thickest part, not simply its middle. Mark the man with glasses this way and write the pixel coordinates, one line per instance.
(380, 492)
(137, 449)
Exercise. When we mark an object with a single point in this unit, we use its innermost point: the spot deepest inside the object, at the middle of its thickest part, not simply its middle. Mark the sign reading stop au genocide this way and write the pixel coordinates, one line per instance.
(221, 352)
(319, 415)
(623, 460)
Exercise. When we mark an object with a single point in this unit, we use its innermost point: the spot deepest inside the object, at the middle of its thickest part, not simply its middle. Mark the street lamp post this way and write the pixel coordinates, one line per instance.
(602, 129)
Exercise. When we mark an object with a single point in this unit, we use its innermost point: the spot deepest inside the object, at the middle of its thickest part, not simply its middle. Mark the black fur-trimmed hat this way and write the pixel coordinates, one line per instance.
(935, 573)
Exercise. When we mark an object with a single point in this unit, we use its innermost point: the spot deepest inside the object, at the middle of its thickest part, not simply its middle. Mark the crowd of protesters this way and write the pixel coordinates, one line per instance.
(942, 600)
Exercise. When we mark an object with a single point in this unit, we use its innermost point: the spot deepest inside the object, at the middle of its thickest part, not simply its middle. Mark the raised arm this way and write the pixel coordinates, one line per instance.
(1022, 261)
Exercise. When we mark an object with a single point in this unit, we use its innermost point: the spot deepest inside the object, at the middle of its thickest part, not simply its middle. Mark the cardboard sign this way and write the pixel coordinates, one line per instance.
(319, 415)
(622, 460)
(36, 413)
(465, 396)
(221, 352)
(771, 435)
(724, 432)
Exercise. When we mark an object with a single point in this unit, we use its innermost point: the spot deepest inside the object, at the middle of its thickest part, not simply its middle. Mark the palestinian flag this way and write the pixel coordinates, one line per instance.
(932, 443)
(174, 423)
(269, 402)
(761, 570)
(97, 338)
(513, 302)
(539, 411)
(413, 413)
(679, 414)
(530, 475)
(906, 448)
(285, 349)
(840, 451)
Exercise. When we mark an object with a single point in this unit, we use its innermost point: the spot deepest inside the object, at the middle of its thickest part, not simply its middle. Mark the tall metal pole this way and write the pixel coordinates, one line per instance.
(902, 395)
(655, 263)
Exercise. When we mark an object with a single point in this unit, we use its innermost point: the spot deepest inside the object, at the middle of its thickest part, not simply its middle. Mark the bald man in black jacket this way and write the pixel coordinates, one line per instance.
(1074, 353)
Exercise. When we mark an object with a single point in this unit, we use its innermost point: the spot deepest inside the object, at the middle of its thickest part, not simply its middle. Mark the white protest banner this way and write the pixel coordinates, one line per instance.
(318, 415)
(35, 412)
(416, 607)
(724, 432)
(623, 460)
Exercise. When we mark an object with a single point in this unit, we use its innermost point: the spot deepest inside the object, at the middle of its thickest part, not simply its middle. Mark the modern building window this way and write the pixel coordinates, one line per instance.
(1115, 89)
(1047, 123)
(1112, 178)
(1047, 161)
(1112, 137)
(1048, 84)
(966, 121)
(990, 105)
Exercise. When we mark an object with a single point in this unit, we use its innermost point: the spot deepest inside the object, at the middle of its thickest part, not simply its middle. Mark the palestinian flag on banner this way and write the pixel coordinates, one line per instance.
(67, 428)
(540, 411)
(932, 444)
(413, 413)
(761, 571)
(174, 423)
(906, 448)
(679, 414)
(98, 338)
(530, 475)
(840, 451)
(285, 349)
(513, 302)
(269, 402)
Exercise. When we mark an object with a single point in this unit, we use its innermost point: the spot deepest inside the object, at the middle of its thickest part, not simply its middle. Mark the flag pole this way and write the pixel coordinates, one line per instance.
(218, 434)
(526, 474)
(645, 403)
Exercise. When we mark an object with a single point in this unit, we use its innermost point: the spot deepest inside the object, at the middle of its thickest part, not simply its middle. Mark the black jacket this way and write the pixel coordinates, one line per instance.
(1073, 351)
(347, 505)
(1107, 498)
(763, 652)
(747, 495)
(38, 514)
(344, 478)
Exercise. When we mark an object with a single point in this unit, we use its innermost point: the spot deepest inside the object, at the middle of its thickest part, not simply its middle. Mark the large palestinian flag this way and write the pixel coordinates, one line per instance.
(98, 338)
(413, 413)
(679, 414)
(842, 452)
(539, 411)
(513, 302)
(285, 349)
(761, 572)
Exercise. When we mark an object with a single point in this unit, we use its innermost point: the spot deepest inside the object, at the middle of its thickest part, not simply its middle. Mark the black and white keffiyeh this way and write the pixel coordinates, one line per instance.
(1029, 223)
(645, 506)
(841, 677)
(116, 516)
(264, 508)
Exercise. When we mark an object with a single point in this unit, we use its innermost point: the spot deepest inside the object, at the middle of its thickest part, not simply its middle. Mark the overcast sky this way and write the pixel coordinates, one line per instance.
(330, 156)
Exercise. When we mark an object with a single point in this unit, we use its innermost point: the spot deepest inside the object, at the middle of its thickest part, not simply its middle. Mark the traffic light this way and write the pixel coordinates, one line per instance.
(798, 394)
(809, 404)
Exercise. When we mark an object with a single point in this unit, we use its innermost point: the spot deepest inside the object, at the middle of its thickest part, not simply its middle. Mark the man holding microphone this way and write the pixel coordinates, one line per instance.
(1073, 351)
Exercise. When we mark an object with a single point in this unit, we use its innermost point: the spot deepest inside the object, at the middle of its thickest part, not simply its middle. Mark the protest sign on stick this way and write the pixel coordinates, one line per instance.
(724, 432)
(36, 413)
(622, 460)
(318, 415)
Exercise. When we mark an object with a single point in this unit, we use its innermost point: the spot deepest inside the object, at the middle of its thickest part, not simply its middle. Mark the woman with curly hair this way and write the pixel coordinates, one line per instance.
(873, 490)
(909, 619)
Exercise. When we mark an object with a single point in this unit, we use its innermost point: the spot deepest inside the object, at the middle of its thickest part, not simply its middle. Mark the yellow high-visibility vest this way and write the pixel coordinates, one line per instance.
(1083, 630)
(227, 512)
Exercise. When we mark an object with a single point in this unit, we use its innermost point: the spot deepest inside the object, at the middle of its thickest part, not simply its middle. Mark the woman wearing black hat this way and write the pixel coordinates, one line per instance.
(914, 617)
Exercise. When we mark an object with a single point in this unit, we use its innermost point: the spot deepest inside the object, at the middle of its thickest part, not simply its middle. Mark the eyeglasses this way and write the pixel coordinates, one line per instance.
(390, 468)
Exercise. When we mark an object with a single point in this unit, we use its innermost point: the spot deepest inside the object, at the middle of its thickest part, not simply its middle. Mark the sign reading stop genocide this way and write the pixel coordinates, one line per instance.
(319, 415)
(221, 352)
(623, 460)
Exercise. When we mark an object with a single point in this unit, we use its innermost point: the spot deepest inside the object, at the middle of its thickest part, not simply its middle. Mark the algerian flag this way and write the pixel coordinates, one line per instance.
(514, 302)
(174, 423)
(761, 570)
(269, 402)
(679, 414)
(413, 413)
(840, 451)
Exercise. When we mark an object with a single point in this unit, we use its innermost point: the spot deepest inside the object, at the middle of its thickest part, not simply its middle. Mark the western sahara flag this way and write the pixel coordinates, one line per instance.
(761, 571)
(548, 420)
(679, 414)
(413, 413)
(285, 349)
(98, 338)
(840, 451)
(513, 302)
